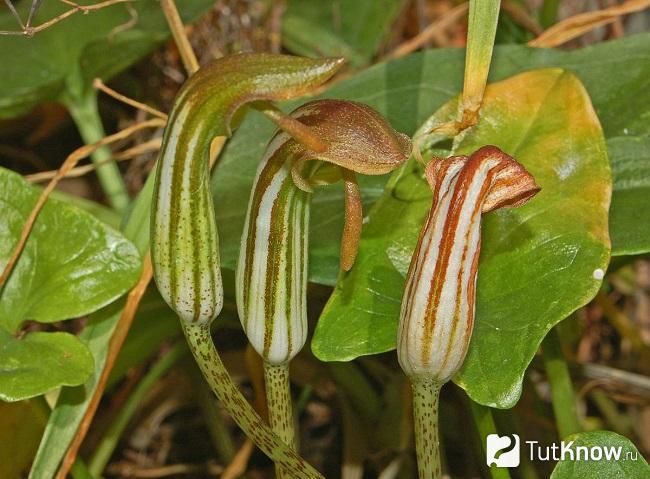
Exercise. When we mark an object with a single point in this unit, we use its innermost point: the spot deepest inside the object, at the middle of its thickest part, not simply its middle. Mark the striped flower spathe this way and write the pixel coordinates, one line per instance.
(437, 313)
(272, 268)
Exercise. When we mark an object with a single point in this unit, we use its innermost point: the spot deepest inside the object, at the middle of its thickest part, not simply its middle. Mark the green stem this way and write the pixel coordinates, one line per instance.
(79, 470)
(104, 451)
(85, 114)
(562, 394)
(357, 388)
(206, 355)
(278, 400)
(548, 14)
(485, 424)
(425, 414)
(213, 419)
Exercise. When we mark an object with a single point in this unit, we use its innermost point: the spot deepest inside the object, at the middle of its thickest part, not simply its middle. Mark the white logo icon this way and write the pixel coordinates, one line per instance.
(502, 451)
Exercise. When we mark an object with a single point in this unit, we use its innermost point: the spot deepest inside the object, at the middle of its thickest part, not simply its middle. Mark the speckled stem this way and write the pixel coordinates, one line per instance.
(278, 400)
(200, 342)
(425, 414)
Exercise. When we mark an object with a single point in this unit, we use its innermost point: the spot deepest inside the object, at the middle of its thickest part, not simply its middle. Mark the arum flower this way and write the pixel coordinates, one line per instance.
(272, 268)
(184, 239)
(437, 312)
(273, 262)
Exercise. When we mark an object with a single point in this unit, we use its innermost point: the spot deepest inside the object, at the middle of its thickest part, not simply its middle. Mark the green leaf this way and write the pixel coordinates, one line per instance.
(629, 465)
(40, 362)
(72, 264)
(538, 262)
(65, 57)
(629, 221)
(407, 91)
(353, 29)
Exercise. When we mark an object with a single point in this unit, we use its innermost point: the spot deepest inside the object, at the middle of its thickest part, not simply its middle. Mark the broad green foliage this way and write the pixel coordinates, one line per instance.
(408, 91)
(353, 29)
(65, 58)
(40, 362)
(629, 221)
(631, 465)
(548, 248)
(72, 265)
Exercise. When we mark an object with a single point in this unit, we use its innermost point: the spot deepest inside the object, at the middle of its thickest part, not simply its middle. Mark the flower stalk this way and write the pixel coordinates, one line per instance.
(273, 263)
(437, 313)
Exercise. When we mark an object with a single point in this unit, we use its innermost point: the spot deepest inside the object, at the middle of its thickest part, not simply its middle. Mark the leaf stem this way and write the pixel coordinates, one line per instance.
(562, 393)
(426, 393)
(278, 400)
(85, 114)
(200, 342)
(485, 424)
(548, 13)
(105, 449)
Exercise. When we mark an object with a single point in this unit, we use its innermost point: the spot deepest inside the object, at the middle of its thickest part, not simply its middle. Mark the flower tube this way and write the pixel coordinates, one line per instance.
(437, 313)
(272, 268)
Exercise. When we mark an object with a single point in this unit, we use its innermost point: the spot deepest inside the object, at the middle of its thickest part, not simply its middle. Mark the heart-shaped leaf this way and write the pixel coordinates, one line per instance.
(629, 221)
(539, 262)
(72, 265)
(601, 454)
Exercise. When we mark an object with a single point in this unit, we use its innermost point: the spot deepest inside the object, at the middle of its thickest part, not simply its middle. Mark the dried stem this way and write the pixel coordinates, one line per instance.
(29, 31)
(67, 165)
(128, 154)
(578, 25)
(180, 38)
(429, 33)
(99, 85)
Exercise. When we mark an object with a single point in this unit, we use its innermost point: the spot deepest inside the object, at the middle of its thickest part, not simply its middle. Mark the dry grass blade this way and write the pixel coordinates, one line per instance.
(151, 145)
(69, 163)
(29, 31)
(430, 33)
(580, 24)
(117, 339)
(101, 86)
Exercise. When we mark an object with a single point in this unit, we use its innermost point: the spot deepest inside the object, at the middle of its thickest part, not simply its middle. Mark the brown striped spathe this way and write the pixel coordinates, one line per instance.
(273, 262)
(437, 313)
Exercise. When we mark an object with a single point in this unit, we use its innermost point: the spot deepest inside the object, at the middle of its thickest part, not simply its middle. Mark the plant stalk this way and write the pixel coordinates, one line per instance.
(485, 424)
(85, 114)
(278, 400)
(215, 373)
(562, 394)
(426, 393)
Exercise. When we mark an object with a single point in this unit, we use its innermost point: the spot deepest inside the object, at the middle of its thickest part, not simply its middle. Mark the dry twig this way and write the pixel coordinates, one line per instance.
(578, 25)
(29, 31)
